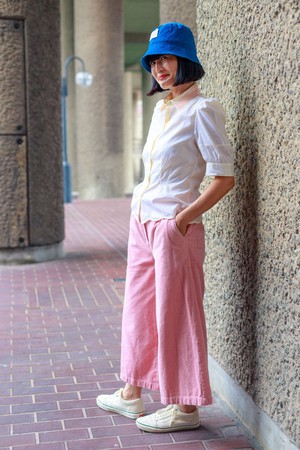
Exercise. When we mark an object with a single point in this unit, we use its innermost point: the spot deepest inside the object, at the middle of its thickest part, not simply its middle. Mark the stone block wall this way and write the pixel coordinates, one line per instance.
(248, 50)
(31, 197)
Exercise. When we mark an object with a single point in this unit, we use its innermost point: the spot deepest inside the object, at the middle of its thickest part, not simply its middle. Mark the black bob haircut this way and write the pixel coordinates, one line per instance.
(187, 71)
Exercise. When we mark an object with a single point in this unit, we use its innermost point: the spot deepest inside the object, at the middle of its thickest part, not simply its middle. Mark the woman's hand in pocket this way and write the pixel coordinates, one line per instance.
(181, 224)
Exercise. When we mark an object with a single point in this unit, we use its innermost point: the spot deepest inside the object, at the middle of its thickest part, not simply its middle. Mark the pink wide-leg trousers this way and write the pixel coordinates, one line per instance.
(164, 344)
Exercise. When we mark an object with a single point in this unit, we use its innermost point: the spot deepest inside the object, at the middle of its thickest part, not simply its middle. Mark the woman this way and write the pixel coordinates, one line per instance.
(164, 344)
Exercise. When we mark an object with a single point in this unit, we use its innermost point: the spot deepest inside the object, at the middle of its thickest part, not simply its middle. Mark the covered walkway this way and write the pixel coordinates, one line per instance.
(60, 328)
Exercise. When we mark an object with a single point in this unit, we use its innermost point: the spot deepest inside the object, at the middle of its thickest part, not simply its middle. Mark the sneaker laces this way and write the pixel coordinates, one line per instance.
(164, 412)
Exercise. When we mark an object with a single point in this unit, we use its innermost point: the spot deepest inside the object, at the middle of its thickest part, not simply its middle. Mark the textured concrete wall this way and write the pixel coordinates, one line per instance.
(13, 189)
(99, 40)
(40, 184)
(183, 11)
(13, 149)
(248, 49)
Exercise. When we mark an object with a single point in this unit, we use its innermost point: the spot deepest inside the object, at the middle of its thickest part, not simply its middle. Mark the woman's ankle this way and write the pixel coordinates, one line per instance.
(187, 408)
(131, 392)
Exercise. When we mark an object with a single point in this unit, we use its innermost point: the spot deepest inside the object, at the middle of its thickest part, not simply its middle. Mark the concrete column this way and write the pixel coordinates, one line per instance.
(184, 11)
(67, 49)
(148, 102)
(133, 130)
(128, 132)
(31, 189)
(148, 105)
(137, 127)
(99, 109)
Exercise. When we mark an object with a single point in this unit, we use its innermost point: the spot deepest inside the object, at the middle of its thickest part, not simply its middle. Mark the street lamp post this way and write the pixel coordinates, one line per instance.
(82, 78)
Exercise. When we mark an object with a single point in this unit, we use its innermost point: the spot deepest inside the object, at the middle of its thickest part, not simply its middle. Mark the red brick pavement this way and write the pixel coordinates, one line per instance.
(60, 346)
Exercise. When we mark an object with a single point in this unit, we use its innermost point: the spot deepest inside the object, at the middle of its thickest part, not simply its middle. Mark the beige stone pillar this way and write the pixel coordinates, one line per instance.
(99, 109)
(148, 102)
(184, 11)
(31, 189)
(128, 132)
(67, 49)
(137, 127)
(133, 130)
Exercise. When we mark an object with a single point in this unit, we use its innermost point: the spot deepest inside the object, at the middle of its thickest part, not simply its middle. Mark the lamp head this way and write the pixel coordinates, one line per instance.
(84, 79)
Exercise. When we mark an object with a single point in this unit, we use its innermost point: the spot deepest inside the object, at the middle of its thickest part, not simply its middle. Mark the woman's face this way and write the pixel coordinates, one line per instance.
(164, 70)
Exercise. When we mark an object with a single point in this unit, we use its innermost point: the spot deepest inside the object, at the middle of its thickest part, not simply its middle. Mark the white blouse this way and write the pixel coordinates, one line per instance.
(186, 141)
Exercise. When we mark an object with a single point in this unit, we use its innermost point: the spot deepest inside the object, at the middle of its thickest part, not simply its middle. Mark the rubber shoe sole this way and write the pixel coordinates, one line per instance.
(151, 429)
(118, 410)
(169, 419)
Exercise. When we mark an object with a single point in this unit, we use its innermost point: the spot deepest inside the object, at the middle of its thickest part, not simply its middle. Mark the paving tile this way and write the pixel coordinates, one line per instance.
(63, 435)
(80, 378)
(200, 434)
(33, 390)
(16, 418)
(96, 412)
(37, 427)
(113, 385)
(35, 373)
(17, 440)
(34, 407)
(145, 439)
(94, 444)
(86, 403)
(88, 422)
(89, 394)
(51, 446)
(121, 430)
(117, 419)
(53, 381)
(182, 446)
(4, 409)
(3, 376)
(136, 447)
(60, 415)
(235, 443)
(4, 430)
(60, 396)
(16, 400)
(77, 387)
(232, 431)
(217, 421)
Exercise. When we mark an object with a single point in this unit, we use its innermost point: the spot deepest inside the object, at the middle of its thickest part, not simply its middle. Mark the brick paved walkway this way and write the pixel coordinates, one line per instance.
(60, 345)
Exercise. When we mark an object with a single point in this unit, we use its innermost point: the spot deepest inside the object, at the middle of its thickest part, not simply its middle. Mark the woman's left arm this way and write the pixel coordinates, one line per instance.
(216, 190)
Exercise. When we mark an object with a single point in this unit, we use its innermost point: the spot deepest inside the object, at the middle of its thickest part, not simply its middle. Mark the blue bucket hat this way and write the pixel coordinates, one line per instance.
(172, 38)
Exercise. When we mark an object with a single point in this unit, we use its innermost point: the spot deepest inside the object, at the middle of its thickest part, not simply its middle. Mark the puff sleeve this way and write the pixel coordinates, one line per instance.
(212, 139)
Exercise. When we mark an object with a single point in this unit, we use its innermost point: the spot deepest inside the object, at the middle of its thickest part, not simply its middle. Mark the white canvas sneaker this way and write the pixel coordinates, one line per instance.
(116, 403)
(169, 419)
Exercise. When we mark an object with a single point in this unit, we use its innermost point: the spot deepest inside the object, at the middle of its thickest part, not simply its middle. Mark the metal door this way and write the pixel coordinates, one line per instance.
(13, 136)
